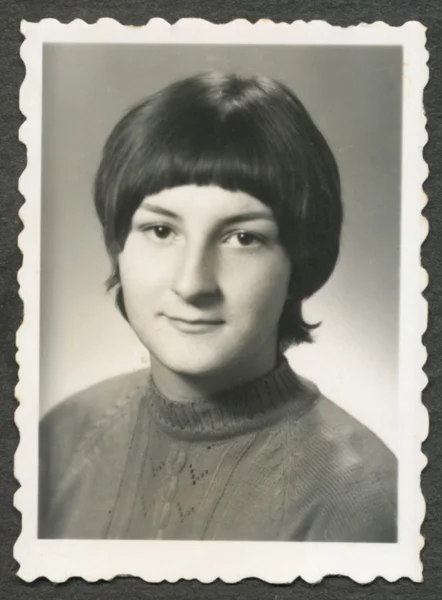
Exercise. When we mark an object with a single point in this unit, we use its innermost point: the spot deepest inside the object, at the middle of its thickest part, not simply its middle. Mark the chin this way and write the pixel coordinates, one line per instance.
(195, 368)
(194, 365)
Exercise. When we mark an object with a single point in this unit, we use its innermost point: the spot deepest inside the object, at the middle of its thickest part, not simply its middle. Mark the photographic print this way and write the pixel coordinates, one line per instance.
(221, 356)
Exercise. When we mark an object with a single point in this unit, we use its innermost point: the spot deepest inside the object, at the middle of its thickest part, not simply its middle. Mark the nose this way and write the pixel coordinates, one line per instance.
(196, 275)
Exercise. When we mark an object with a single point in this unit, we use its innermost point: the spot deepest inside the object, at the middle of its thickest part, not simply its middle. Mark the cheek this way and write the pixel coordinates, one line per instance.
(258, 291)
(140, 274)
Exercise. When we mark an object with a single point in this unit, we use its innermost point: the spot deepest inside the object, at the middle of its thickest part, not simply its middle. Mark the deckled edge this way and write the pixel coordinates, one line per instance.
(421, 126)
(28, 334)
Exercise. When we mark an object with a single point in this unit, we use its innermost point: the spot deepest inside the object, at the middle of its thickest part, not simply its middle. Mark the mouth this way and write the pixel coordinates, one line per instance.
(195, 325)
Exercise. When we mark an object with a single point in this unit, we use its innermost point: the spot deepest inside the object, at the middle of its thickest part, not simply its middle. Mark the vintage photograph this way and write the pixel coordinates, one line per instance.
(224, 291)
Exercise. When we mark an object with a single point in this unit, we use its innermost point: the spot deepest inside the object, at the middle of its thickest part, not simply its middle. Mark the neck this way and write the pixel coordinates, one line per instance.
(229, 413)
(184, 387)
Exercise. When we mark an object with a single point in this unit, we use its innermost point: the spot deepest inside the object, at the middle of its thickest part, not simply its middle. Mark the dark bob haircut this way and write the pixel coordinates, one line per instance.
(239, 133)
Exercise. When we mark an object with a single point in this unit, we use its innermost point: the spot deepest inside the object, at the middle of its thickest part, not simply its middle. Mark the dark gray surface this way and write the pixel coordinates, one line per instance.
(12, 162)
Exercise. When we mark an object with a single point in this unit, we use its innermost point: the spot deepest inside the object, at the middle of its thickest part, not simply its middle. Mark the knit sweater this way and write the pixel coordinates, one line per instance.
(269, 460)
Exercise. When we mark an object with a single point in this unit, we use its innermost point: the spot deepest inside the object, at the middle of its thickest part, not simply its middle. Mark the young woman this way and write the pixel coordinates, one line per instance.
(221, 210)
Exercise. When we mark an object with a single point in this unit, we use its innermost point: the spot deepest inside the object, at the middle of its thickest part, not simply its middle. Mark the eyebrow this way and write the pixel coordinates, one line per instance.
(238, 218)
(159, 210)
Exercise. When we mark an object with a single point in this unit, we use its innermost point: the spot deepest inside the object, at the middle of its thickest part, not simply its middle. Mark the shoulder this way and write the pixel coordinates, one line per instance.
(348, 442)
(326, 427)
(77, 432)
(91, 410)
(99, 399)
(348, 472)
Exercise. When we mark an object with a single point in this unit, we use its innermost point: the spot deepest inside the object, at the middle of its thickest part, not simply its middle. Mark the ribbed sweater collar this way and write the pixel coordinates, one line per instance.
(248, 407)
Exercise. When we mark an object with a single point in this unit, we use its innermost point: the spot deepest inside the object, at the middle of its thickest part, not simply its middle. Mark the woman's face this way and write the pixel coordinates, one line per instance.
(204, 280)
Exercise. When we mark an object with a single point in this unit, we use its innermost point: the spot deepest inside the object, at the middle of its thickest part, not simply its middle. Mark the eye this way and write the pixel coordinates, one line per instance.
(157, 232)
(162, 232)
(244, 239)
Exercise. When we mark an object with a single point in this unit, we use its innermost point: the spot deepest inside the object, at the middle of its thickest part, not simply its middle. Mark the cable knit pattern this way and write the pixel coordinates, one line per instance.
(269, 460)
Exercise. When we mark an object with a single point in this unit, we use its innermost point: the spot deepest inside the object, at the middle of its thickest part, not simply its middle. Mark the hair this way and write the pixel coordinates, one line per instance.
(247, 133)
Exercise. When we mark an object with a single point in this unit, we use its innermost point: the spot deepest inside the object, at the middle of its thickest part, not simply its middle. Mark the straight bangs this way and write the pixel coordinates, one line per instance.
(199, 146)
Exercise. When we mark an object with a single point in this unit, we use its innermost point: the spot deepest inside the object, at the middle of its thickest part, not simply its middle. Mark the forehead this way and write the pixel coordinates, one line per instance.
(206, 202)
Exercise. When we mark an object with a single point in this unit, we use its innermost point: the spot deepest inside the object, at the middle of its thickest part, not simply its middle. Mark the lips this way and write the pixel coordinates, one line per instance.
(197, 321)
(194, 325)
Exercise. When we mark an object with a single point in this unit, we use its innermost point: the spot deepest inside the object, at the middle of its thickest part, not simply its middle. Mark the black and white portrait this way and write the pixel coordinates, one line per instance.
(220, 292)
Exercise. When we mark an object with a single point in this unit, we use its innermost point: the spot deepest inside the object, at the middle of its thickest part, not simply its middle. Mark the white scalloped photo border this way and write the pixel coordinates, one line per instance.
(273, 562)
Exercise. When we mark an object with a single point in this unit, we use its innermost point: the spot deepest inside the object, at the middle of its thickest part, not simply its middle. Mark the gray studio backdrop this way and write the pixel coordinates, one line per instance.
(353, 94)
